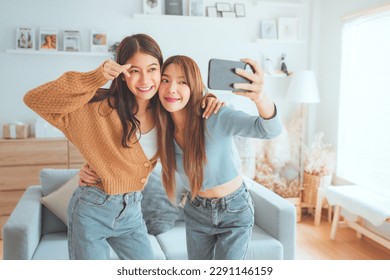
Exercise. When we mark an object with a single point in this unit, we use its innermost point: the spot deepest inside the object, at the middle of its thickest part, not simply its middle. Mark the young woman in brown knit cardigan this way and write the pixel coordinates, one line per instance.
(105, 125)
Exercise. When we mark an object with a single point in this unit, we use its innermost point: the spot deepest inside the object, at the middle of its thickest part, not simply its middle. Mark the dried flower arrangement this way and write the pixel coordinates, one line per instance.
(320, 158)
(272, 160)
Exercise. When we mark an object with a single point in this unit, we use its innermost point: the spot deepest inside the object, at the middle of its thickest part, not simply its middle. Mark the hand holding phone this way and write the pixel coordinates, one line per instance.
(222, 74)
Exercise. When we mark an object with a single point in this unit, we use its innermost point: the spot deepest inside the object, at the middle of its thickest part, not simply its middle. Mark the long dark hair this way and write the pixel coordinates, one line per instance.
(118, 94)
(194, 151)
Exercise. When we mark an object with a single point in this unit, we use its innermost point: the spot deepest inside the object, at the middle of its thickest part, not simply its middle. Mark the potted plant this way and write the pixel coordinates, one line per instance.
(319, 165)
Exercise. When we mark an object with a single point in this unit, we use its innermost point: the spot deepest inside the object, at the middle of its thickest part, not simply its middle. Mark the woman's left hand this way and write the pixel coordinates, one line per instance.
(211, 104)
(255, 89)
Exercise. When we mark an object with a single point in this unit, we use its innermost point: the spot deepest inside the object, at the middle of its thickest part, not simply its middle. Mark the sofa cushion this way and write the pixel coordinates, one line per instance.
(52, 180)
(54, 246)
(58, 200)
(263, 246)
(173, 242)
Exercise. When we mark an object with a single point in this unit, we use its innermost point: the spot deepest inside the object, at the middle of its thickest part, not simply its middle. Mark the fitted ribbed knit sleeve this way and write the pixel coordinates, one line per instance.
(56, 99)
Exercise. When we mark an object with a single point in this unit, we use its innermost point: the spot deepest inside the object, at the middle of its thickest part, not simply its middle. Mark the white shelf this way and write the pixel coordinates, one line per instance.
(58, 53)
(275, 41)
(184, 18)
(282, 4)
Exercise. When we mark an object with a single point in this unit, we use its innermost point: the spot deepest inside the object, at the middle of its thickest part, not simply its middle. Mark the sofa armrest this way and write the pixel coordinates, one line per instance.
(276, 216)
(22, 231)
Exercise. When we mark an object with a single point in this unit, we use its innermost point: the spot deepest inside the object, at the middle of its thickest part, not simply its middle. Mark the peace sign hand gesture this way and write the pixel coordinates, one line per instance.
(111, 69)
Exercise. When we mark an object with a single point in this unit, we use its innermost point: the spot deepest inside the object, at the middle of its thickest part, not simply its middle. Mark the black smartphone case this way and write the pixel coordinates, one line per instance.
(222, 74)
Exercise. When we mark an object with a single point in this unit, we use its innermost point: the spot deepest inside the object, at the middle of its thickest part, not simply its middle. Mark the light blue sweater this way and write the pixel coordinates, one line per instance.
(223, 161)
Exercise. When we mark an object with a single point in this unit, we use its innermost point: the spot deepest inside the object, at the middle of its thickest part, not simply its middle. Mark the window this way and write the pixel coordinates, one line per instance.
(364, 130)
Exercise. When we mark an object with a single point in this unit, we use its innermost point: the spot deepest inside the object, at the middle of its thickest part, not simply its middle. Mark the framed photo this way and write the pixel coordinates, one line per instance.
(174, 7)
(72, 41)
(223, 7)
(98, 41)
(152, 7)
(196, 8)
(48, 39)
(240, 10)
(287, 28)
(212, 12)
(268, 29)
(25, 38)
(228, 14)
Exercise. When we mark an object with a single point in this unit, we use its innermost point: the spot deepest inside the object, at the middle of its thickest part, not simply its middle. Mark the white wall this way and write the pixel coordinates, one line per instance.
(329, 60)
(201, 39)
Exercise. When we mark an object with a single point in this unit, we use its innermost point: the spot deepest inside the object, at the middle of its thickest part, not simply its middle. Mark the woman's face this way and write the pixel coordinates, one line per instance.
(174, 91)
(144, 77)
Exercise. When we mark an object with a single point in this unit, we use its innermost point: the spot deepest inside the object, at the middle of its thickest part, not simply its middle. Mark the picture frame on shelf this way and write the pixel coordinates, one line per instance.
(98, 41)
(152, 7)
(25, 38)
(48, 39)
(228, 14)
(288, 28)
(212, 11)
(196, 8)
(174, 7)
(72, 41)
(240, 10)
(268, 29)
(223, 7)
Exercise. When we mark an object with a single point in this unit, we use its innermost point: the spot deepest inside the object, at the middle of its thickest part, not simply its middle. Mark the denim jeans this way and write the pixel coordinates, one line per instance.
(97, 221)
(219, 228)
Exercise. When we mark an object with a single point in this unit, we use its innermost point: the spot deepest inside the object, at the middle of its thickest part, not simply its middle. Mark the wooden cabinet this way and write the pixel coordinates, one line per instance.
(21, 161)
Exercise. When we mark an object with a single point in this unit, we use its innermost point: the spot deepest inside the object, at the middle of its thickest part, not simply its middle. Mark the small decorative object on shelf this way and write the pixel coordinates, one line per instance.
(268, 29)
(240, 10)
(223, 7)
(72, 41)
(43, 129)
(25, 38)
(16, 130)
(98, 41)
(174, 7)
(153, 7)
(268, 67)
(212, 12)
(288, 28)
(113, 48)
(48, 39)
(283, 66)
(196, 8)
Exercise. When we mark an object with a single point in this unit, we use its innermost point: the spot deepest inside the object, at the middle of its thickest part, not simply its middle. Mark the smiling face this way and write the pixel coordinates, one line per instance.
(144, 77)
(174, 91)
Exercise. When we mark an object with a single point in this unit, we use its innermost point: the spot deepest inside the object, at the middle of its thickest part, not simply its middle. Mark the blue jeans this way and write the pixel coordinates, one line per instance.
(219, 228)
(97, 221)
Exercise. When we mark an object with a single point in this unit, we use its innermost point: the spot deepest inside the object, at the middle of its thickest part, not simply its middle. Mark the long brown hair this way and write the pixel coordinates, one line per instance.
(118, 95)
(194, 151)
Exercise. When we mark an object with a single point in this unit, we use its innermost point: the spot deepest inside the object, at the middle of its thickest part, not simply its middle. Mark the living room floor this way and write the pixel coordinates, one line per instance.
(313, 243)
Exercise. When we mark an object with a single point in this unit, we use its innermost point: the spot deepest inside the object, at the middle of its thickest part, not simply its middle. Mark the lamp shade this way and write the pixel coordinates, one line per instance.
(303, 88)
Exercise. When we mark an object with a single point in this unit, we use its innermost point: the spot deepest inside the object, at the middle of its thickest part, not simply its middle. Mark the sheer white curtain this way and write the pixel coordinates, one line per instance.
(364, 130)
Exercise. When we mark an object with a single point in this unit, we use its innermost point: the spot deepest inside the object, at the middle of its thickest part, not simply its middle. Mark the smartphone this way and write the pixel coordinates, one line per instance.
(222, 74)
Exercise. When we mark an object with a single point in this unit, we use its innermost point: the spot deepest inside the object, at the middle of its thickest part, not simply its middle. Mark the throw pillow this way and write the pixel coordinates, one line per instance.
(159, 213)
(58, 200)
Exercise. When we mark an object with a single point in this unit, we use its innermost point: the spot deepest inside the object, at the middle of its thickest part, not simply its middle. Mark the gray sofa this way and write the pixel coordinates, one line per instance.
(34, 232)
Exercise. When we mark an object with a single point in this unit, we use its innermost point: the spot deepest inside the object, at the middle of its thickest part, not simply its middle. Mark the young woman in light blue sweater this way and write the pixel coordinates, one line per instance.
(219, 212)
